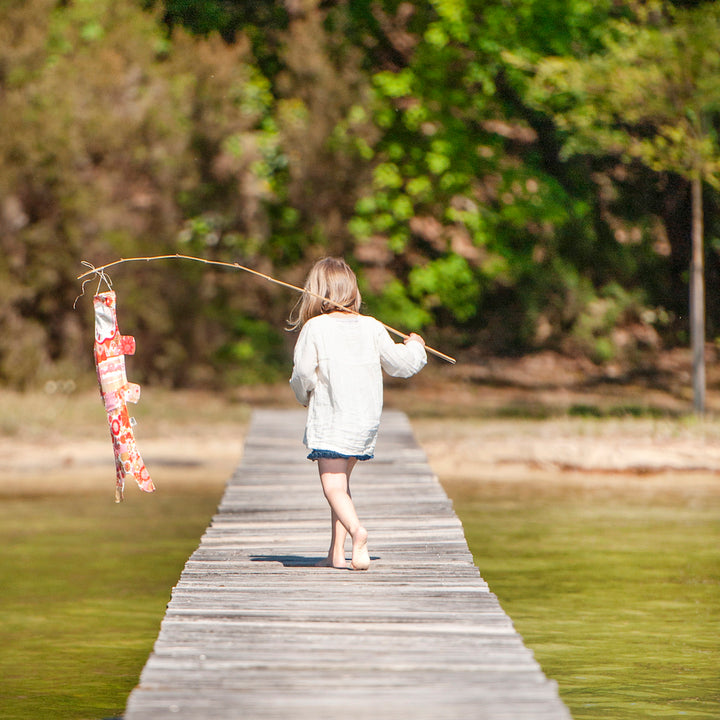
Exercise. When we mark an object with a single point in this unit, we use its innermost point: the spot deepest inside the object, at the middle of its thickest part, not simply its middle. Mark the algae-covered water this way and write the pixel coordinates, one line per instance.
(84, 586)
(616, 592)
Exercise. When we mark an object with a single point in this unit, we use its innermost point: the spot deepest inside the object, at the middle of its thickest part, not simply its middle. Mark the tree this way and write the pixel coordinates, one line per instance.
(650, 95)
(470, 206)
(118, 142)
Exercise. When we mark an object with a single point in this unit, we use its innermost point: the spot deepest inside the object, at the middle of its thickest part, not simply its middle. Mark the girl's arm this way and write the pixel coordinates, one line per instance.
(398, 359)
(305, 363)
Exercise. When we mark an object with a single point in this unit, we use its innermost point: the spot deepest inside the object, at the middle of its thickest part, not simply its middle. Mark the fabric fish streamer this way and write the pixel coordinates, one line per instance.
(110, 349)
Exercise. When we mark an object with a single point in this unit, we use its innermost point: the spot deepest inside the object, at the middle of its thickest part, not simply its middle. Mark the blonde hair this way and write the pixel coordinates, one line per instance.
(330, 278)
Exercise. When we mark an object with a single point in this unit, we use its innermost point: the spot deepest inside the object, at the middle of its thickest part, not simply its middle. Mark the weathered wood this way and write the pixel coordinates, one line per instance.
(255, 630)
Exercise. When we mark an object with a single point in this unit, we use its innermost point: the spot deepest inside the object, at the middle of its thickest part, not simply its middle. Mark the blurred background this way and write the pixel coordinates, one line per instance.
(508, 178)
(524, 182)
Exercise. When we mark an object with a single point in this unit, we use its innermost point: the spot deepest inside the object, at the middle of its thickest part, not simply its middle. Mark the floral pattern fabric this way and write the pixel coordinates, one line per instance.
(110, 349)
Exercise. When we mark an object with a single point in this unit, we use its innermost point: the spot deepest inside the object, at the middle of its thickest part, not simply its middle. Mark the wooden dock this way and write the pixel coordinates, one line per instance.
(255, 631)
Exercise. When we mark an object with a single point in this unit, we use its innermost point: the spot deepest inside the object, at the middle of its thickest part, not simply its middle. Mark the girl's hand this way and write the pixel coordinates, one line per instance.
(415, 337)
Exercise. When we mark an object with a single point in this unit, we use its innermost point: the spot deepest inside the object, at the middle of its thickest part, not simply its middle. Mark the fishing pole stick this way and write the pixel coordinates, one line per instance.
(238, 266)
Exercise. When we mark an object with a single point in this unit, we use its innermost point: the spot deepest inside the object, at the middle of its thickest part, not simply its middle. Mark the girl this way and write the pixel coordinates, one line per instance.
(337, 375)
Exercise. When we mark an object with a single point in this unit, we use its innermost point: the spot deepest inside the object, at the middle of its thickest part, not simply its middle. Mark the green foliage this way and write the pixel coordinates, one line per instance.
(647, 93)
(261, 22)
(148, 145)
(449, 283)
(463, 155)
(597, 330)
(398, 309)
(255, 355)
(460, 186)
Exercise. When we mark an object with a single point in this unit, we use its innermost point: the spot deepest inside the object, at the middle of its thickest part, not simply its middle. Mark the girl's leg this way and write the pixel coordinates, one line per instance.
(336, 553)
(335, 478)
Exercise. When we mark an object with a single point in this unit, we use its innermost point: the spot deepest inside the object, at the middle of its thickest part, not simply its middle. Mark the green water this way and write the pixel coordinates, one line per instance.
(618, 596)
(84, 586)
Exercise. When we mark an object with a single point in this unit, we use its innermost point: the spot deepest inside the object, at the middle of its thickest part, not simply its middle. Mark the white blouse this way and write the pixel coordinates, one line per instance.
(337, 374)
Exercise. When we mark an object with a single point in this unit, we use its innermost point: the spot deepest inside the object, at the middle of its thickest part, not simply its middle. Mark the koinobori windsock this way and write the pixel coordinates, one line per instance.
(110, 348)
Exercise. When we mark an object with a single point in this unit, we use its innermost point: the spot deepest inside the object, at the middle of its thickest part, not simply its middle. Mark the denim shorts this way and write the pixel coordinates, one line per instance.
(332, 455)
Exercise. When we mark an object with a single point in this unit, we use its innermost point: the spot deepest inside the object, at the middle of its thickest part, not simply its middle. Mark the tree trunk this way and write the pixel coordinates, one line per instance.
(697, 299)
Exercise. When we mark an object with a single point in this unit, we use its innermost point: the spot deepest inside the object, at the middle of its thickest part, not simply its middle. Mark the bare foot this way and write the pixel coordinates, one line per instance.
(328, 562)
(360, 555)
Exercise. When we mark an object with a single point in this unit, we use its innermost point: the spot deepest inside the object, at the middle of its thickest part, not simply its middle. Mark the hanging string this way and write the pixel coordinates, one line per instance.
(102, 276)
(235, 266)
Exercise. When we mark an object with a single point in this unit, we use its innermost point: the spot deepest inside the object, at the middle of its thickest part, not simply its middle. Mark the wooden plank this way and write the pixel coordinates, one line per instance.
(255, 630)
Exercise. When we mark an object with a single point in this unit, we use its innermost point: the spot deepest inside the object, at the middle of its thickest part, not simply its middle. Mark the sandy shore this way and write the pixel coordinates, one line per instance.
(636, 455)
(66, 465)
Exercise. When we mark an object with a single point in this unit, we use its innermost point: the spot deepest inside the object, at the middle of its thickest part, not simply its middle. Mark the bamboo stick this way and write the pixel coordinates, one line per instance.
(238, 266)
